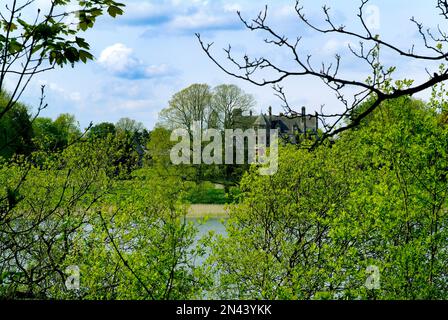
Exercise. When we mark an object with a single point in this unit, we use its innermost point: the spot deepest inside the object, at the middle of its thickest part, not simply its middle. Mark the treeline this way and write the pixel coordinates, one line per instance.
(21, 135)
(135, 146)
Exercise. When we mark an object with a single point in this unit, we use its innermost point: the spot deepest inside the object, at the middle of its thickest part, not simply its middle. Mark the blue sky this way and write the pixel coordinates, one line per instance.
(150, 53)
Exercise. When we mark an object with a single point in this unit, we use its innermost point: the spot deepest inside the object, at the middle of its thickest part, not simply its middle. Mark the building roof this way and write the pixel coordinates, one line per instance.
(260, 121)
(285, 124)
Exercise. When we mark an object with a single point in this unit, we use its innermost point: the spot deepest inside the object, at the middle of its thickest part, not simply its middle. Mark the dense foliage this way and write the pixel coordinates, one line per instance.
(360, 217)
(68, 211)
(15, 129)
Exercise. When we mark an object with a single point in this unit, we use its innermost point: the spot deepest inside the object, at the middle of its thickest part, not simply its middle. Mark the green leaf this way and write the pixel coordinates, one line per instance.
(114, 11)
(9, 26)
(36, 48)
(22, 22)
(14, 46)
(96, 12)
(83, 26)
(84, 56)
(71, 54)
(82, 43)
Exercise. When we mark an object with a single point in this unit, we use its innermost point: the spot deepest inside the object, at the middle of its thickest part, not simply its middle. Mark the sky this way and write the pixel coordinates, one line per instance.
(147, 55)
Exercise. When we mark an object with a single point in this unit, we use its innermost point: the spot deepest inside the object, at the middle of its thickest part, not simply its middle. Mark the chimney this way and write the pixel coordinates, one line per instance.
(304, 120)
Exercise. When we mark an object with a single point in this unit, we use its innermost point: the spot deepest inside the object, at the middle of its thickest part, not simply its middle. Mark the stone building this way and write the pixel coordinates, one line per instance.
(290, 128)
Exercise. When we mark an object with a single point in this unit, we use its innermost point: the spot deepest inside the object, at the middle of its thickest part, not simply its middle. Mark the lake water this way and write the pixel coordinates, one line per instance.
(213, 224)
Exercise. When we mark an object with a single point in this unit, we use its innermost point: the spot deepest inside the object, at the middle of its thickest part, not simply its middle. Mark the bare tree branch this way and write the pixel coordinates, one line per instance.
(378, 87)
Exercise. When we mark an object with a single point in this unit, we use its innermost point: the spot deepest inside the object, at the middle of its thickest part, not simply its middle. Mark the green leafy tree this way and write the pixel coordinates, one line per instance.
(129, 125)
(278, 244)
(15, 129)
(228, 101)
(398, 209)
(187, 106)
(129, 239)
(102, 130)
(151, 253)
(47, 207)
(159, 147)
(361, 218)
(130, 140)
(217, 109)
(55, 135)
(68, 126)
(35, 39)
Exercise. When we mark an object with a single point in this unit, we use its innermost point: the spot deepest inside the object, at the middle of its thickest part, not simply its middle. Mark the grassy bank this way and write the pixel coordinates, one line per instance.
(208, 210)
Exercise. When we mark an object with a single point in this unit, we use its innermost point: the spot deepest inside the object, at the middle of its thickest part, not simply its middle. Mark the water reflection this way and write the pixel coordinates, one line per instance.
(204, 227)
(212, 224)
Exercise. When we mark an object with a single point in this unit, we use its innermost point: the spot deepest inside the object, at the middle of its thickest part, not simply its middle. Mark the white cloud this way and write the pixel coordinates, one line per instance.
(155, 70)
(141, 11)
(117, 58)
(174, 16)
(199, 20)
(122, 62)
